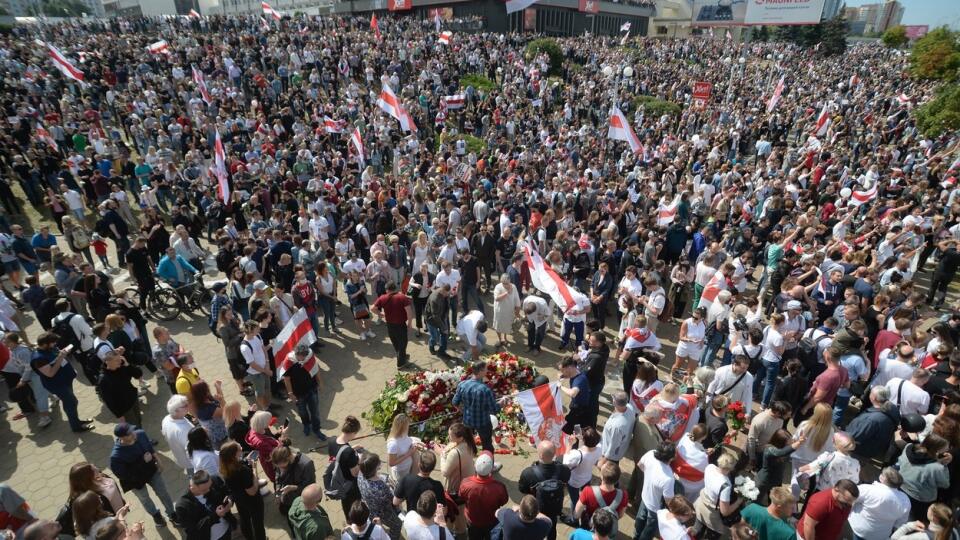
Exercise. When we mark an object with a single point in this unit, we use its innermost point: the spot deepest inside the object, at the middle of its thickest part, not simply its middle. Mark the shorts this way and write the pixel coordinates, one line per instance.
(238, 368)
(261, 384)
(11, 266)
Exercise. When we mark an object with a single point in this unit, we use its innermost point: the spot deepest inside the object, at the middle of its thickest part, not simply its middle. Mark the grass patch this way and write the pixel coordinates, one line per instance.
(657, 107)
(474, 144)
(478, 81)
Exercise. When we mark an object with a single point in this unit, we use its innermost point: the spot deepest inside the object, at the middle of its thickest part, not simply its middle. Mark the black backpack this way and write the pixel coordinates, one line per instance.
(550, 492)
(65, 334)
(807, 349)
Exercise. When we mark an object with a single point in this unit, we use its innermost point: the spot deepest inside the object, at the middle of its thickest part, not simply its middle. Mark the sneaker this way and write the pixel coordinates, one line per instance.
(54, 400)
(158, 520)
(370, 334)
(44, 422)
(321, 436)
(173, 520)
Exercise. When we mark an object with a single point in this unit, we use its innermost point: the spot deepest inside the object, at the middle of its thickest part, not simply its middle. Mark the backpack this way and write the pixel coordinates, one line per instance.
(335, 484)
(80, 237)
(65, 333)
(550, 493)
(612, 507)
(808, 349)
(366, 534)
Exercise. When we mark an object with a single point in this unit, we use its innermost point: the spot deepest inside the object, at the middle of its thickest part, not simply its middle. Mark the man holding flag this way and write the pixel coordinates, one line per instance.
(301, 377)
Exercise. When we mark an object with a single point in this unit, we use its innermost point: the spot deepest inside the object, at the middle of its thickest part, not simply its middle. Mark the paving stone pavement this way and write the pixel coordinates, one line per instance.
(36, 462)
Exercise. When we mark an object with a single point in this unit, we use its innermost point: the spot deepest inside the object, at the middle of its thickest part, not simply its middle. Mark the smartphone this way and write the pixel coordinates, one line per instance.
(578, 431)
(68, 349)
(253, 455)
(286, 422)
(226, 500)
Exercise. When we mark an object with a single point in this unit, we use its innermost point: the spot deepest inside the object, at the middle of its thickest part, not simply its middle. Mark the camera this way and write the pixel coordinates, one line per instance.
(740, 324)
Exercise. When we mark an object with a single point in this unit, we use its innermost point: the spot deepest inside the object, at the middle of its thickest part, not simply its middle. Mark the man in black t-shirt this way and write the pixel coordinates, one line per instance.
(349, 460)
(469, 280)
(946, 270)
(141, 269)
(302, 380)
(412, 486)
(524, 522)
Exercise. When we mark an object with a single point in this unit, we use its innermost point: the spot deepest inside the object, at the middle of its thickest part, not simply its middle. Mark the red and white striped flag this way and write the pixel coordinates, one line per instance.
(858, 198)
(45, 136)
(391, 105)
(159, 47)
(454, 102)
(264, 24)
(625, 27)
(267, 10)
(375, 26)
(194, 14)
(620, 130)
(445, 37)
(61, 62)
(543, 411)
(331, 126)
(667, 213)
(823, 121)
(689, 464)
(623, 40)
(716, 284)
(220, 169)
(201, 85)
(297, 330)
(357, 141)
(546, 280)
(777, 92)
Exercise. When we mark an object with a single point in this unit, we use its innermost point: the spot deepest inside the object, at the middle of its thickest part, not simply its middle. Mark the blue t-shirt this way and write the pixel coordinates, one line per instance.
(581, 534)
(856, 368)
(59, 383)
(583, 397)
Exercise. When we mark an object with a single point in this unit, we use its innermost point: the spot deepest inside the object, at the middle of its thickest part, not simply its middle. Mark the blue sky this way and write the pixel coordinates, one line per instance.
(930, 12)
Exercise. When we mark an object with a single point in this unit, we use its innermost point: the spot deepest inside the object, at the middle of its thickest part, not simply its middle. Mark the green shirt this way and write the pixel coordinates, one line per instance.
(309, 524)
(79, 142)
(774, 254)
(767, 526)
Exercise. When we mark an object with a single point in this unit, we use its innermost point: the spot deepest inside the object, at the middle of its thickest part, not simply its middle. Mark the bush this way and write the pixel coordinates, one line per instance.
(474, 144)
(477, 81)
(895, 37)
(549, 46)
(656, 107)
(941, 113)
(936, 55)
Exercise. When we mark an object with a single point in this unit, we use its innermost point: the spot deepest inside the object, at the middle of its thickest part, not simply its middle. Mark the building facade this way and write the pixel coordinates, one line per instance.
(874, 18)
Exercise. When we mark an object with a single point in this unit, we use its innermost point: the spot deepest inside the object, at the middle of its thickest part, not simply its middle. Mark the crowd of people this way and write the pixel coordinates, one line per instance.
(814, 390)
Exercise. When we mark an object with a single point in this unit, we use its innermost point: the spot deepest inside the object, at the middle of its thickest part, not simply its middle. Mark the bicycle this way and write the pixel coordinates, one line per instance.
(166, 302)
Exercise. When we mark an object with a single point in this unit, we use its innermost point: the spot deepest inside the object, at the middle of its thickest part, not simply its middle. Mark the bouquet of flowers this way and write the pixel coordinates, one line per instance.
(426, 397)
(736, 415)
(746, 487)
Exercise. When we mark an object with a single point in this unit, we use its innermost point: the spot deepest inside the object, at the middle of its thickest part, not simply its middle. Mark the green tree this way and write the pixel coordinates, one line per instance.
(553, 50)
(761, 33)
(936, 55)
(940, 114)
(63, 8)
(829, 37)
(895, 37)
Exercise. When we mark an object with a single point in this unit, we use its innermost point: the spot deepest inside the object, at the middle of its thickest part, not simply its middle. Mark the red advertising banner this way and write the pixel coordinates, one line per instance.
(916, 31)
(399, 5)
(702, 90)
(590, 6)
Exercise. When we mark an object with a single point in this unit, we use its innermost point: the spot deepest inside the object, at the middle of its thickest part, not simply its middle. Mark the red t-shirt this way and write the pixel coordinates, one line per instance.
(484, 496)
(394, 306)
(829, 516)
(830, 381)
(884, 340)
(589, 500)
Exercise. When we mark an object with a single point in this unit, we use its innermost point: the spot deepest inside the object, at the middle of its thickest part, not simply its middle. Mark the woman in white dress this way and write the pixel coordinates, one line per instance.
(506, 308)
(422, 252)
(629, 290)
(671, 520)
(401, 448)
(690, 344)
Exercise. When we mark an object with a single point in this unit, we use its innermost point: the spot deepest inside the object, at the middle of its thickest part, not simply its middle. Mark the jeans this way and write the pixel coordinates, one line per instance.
(710, 351)
(645, 527)
(768, 374)
(574, 493)
(308, 407)
(576, 327)
(453, 311)
(470, 292)
(161, 490)
(840, 408)
(329, 317)
(535, 335)
(69, 402)
(40, 394)
(468, 353)
(438, 339)
(314, 322)
(486, 437)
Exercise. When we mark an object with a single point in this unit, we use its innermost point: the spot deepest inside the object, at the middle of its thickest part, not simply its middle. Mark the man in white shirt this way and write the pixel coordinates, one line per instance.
(175, 428)
(471, 328)
(618, 430)
(881, 507)
(658, 485)
(909, 396)
(450, 276)
(574, 320)
(538, 314)
(282, 304)
(355, 263)
(735, 382)
(742, 267)
(898, 362)
(258, 366)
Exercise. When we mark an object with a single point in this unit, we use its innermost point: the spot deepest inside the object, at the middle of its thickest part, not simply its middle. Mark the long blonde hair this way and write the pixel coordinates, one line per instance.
(400, 427)
(820, 426)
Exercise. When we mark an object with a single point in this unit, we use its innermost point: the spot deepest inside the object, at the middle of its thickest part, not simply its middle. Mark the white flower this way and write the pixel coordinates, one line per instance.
(740, 480)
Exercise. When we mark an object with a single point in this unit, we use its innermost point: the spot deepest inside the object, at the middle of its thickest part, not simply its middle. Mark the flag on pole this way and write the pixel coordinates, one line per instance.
(543, 410)
(445, 37)
(620, 130)
(391, 105)
(519, 5)
(823, 121)
(193, 14)
(623, 40)
(777, 92)
(453, 102)
(728, 35)
(716, 284)
(159, 47)
(625, 27)
(201, 85)
(61, 62)
(264, 24)
(667, 213)
(267, 10)
(858, 198)
(298, 330)
(436, 19)
(374, 26)
(546, 279)
(357, 141)
(45, 136)
(331, 126)
(220, 169)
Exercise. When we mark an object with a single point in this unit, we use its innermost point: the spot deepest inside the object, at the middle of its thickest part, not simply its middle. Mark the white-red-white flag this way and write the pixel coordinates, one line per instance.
(201, 85)
(689, 464)
(298, 330)
(267, 10)
(546, 280)
(64, 65)
(159, 47)
(858, 198)
(542, 408)
(453, 102)
(666, 213)
(620, 130)
(357, 141)
(194, 14)
(716, 284)
(331, 126)
(823, 121)
(220, 169)
(777, 93)
(445, 37)
(625, 27)
(623, 40)
(389, 102)
(375, 26)
(45, 136)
